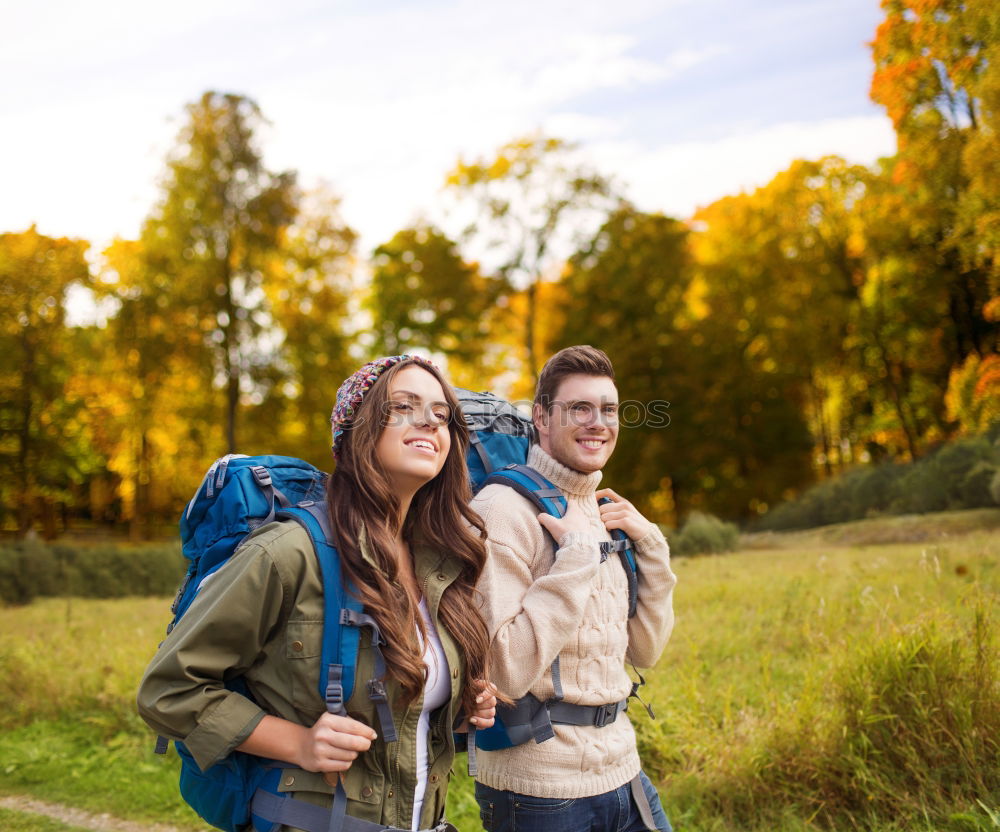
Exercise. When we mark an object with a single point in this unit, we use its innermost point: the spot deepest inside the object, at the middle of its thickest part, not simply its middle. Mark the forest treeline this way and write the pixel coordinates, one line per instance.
(839, 316)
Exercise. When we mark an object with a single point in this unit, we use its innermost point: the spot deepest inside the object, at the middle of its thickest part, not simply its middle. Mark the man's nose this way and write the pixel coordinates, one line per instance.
(592, 418)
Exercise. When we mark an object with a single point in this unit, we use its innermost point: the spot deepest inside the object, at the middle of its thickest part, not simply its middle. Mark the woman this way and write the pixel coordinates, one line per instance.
(398, 505)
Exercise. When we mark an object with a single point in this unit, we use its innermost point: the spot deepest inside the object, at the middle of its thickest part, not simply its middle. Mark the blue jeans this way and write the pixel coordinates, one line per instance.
(613, 811)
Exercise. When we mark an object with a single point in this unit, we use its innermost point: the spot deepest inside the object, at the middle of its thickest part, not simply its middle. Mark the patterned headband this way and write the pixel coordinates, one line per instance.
(354, 388)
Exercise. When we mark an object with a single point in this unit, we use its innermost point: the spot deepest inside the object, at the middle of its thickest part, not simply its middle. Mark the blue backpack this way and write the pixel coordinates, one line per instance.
(498, 451)
(238, 495)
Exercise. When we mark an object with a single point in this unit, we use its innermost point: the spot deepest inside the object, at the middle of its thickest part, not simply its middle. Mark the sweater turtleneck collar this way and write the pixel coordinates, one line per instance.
(566, 479)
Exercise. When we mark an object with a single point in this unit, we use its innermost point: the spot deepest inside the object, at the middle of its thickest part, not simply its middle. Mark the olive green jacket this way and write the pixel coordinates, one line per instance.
(261, 617)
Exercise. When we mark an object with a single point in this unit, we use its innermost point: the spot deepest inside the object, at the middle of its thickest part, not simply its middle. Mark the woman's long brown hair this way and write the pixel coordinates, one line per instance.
(359, 494)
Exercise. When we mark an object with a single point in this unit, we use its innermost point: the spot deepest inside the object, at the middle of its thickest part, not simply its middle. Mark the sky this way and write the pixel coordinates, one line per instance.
(682, 101)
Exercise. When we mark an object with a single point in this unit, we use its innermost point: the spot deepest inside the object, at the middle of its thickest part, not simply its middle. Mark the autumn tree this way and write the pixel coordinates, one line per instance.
(784, 265)
(213, 235)
(425, 296)
(310, 298)
(530, 204)
(42, 447)
(146, 384)
(937, 73)
(624, 292)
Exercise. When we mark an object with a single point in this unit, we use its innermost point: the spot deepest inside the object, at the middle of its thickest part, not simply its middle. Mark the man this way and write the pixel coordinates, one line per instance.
(545, 601)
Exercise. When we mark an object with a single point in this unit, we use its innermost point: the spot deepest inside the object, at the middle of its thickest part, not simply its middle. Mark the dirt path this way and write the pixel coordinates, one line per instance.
(78, 817)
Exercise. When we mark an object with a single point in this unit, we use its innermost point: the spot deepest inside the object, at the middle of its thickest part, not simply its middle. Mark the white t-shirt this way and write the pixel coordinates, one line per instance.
(437, 691)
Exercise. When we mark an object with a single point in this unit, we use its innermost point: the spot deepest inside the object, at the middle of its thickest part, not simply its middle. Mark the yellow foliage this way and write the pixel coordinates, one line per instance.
(973, 397)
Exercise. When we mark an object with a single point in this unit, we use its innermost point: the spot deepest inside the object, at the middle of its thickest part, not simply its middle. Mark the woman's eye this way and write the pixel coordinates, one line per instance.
(402, 407)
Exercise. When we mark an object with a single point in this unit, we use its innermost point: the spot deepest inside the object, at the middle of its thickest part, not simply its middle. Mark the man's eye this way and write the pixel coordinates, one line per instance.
(580, 408)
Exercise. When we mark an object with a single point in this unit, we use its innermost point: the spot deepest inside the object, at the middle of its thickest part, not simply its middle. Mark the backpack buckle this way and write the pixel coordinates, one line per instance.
(606, 714)
(377, 691)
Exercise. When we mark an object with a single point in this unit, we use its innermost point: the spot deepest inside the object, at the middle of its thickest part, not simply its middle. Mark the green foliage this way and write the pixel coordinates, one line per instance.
(96, 761)
(31, 569)
(703, 534)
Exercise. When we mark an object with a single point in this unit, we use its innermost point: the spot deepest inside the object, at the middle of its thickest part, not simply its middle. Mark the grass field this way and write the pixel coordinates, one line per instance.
(809, 685)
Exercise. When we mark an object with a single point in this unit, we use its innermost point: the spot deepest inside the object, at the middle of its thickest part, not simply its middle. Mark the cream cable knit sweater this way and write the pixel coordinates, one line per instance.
(540, 603)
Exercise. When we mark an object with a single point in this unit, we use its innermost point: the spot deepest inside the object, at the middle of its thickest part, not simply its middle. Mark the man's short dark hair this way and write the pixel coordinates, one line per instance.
(580, 360)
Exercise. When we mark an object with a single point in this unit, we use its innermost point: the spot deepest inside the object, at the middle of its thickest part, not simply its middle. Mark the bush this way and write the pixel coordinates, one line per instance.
(704, 534)
(959, 475)
(937, 482)
(27, 570)
(32, 569)
(873, 489)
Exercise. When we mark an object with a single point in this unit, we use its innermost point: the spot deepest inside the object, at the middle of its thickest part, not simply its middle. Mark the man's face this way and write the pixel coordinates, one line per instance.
(580, 428)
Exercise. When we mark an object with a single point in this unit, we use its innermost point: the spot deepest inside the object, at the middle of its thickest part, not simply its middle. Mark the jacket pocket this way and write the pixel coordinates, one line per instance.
(303, 644)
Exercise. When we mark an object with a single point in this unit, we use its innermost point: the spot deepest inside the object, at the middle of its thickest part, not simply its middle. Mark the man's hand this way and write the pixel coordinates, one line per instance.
(621, 514)
(333, 743)
(574, 520)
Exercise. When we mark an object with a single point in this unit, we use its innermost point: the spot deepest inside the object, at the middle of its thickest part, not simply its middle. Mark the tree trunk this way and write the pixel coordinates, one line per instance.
(230, 350)
(896, 397)
(22, 477)
(529, 324)
(817, 403)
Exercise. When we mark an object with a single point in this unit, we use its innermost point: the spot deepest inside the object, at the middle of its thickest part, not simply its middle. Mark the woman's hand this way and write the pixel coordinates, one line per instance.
(486, 708)
(486, 705)
(333, 743)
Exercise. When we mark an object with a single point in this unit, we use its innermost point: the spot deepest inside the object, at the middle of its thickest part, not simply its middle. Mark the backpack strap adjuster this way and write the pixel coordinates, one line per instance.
(606, 714)
(261, 475)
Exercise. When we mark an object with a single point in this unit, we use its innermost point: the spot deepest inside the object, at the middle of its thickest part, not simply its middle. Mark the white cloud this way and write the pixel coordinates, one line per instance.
(678, 178)
(379, 103)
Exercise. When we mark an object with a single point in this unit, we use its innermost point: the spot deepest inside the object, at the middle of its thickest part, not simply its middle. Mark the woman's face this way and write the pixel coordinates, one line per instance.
(415, 441)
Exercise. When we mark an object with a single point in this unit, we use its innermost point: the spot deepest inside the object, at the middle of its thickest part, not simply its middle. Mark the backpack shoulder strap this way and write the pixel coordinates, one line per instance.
(343, 619)
(339, 654)
(621, 544)
(541, 493)
(531, 485)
